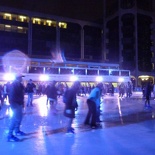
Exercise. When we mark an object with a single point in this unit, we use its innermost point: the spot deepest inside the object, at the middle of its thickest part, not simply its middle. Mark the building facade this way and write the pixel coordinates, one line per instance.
(129, 27)
(125, 38)
(50, 41)
(41, 35)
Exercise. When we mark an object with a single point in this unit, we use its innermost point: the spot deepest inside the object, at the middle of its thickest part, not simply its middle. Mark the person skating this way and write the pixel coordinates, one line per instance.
(71, 105)
(148, 90)
(16, 100)
(93, 102)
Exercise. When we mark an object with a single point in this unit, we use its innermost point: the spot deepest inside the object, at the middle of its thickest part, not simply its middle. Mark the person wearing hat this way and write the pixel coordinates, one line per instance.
(93, 102)
(16, 100)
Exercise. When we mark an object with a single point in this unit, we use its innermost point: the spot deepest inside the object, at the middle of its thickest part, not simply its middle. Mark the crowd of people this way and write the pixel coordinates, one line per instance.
(42, 88)
(15, 92)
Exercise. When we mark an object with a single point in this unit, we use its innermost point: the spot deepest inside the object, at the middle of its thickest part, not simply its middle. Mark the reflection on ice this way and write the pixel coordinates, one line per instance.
(9, 112)
(119, 110)
(7, 101)
(43, 109)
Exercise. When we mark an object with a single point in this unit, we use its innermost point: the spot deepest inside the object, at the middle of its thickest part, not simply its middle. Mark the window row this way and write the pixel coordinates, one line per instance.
(35, 20)
(49, 70)
(12, 28)
(74, 71)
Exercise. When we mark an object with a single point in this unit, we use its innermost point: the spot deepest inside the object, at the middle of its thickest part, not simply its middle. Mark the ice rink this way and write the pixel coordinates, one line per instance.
(127, 129)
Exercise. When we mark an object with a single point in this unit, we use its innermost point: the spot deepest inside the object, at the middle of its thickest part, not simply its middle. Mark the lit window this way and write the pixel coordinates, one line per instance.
(22, 18)
(7, 16)
(63, 25)
(20, 29)
(7, 27)
(36, 21)
(49, 22)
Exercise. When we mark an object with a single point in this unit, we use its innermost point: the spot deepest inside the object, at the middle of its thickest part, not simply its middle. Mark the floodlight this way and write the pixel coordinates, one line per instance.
(99, 78)
(9, 76)
(73, 78)
(121, 79)
(44, 77)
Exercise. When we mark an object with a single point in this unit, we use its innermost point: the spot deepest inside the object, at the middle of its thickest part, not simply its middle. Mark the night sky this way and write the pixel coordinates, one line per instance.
(89, 10)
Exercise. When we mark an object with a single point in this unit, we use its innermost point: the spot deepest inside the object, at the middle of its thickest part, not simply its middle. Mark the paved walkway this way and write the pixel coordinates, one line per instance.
(127, 129)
